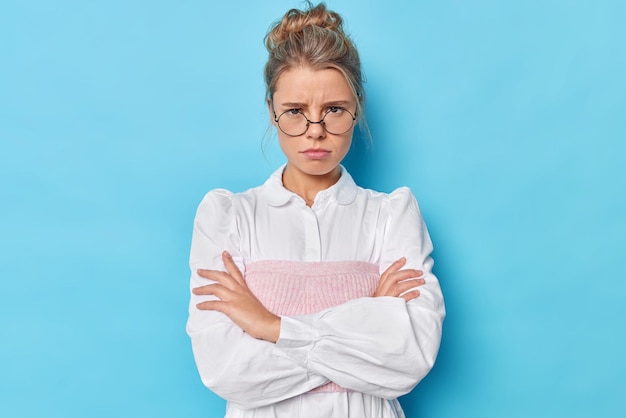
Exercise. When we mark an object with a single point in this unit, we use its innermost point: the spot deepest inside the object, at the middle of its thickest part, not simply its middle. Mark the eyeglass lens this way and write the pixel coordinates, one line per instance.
(337, 121)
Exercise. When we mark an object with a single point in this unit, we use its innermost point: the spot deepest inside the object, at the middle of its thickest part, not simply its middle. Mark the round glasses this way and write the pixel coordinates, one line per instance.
(336, 121)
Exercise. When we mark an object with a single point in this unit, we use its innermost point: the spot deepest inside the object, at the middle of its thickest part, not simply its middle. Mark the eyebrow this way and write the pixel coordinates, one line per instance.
(304, 105)
(292, 105)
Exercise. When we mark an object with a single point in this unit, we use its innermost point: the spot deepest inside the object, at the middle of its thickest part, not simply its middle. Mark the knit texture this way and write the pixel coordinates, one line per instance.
(300, 288)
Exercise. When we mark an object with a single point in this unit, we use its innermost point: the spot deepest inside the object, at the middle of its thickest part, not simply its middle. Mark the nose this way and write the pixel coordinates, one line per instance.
(316, 130)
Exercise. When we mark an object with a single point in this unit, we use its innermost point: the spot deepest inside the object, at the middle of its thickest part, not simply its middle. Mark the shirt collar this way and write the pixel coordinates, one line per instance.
(344, 191)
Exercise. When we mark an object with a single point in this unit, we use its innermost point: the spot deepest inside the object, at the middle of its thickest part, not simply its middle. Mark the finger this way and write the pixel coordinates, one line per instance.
(394, 267)
(387, 283)
(403, 286)
(203, 290)
(220, 277)
(211, 305)
(214, 275)
(386, 279)
(405, 274)
(213, 290)
(411, 295)
(232, 268)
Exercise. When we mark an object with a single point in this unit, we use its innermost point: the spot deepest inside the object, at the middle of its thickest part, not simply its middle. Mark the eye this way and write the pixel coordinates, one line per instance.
(335, 109)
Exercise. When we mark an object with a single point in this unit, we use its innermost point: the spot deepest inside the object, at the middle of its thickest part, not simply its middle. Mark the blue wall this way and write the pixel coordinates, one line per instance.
(507, 119)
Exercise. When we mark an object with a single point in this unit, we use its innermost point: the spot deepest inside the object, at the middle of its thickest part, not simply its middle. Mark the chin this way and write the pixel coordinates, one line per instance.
(319, 168)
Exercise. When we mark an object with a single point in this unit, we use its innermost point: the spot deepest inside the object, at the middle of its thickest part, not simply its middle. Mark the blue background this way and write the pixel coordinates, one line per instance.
(507, 120)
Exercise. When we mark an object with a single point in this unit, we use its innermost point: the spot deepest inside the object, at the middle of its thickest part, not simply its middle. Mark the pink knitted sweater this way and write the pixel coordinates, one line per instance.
(301, 288)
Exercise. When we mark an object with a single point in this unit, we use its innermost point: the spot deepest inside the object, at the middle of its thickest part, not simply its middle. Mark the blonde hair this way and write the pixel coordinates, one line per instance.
(313, 37)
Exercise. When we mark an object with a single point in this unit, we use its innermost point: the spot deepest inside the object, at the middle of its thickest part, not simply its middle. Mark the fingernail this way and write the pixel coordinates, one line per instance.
(226, 254)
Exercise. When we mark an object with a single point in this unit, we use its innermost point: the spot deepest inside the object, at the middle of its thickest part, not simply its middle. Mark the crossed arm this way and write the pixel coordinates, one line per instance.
(236, 301)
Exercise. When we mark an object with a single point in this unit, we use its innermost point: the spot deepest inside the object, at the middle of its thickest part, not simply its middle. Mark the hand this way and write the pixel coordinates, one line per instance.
(237, 301)
(396, 282)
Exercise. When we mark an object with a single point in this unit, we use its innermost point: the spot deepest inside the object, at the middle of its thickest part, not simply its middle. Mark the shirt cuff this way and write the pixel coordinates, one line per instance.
(296, 339)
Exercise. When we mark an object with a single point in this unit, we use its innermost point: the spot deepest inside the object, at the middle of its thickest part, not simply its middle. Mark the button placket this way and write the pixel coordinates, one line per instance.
(313, 247)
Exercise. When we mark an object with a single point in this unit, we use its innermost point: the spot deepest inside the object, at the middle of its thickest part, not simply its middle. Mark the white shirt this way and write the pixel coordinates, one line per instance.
(379, 348)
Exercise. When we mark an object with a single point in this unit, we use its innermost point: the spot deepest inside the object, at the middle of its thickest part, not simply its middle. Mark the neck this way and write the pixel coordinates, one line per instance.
(308, 185)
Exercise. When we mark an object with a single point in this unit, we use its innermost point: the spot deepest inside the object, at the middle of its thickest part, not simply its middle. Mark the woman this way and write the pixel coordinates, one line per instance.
(312, 297)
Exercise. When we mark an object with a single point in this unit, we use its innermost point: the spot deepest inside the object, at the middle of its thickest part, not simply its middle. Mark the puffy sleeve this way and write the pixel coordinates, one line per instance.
(237, 367)
(382, 346)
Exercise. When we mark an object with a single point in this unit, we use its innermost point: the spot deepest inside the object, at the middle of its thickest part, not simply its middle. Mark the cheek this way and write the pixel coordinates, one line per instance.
(344, 144)
(287, 144)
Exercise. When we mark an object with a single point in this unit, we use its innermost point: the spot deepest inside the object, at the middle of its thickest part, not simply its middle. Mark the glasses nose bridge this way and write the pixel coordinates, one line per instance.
(319, 122)
(310, 122)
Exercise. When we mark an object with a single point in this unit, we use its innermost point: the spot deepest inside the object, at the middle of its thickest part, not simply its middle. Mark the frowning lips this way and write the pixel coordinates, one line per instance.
(316, 153)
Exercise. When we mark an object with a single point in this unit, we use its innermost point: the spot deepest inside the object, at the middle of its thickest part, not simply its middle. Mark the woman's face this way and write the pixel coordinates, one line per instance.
(316, 94)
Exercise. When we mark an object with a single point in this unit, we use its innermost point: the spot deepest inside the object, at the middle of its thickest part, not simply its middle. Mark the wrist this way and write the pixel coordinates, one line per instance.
(273, 330)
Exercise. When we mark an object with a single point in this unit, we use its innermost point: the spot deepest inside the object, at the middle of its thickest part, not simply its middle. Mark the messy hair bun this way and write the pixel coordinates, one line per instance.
(296, 20)
(313, 37)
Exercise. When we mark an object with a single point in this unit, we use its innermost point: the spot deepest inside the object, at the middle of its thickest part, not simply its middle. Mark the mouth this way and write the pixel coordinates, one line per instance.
(316, 153)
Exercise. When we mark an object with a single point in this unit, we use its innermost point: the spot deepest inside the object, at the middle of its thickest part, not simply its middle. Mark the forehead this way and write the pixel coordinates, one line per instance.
(307, 85)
